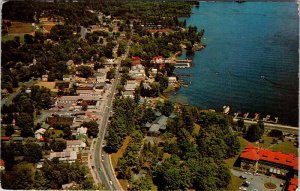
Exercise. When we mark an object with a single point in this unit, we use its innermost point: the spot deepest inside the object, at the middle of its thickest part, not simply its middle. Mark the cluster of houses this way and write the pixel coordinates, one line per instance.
(137, 75)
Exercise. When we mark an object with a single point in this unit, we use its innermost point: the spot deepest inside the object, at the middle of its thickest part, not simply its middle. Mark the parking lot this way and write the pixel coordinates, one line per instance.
(257, 182)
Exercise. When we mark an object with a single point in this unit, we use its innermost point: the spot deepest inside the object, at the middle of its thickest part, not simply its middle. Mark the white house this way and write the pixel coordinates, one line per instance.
(76, 145)
(69, 156)
(44, 78)
(100, 77)
(67, 78)
(81, 131)
(129, 94)
(172, 81)
(39, 133)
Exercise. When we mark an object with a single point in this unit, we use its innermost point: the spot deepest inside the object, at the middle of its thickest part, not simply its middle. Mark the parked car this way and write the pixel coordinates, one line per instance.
(243, 177)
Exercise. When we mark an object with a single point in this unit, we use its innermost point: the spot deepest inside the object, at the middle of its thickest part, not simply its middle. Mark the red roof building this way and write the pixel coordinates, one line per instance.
(293, 184)
(135, 58)
(266, 160)
(2, 167)
(5, 138)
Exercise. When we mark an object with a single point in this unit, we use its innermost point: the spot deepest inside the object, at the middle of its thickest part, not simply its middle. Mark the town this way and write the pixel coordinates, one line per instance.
(84, 106)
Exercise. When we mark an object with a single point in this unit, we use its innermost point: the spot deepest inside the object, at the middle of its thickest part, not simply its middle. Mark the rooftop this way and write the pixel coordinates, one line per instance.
(256, 153)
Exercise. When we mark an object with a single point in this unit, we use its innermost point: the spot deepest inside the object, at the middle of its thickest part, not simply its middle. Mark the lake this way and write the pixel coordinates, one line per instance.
(250, 62)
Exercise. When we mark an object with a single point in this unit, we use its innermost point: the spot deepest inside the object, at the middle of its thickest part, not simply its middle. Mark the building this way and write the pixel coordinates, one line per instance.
(67, 78)
(45, 78)
(137, 71)
(81, 131)
(60, 120)
(2, 165)
(258, 159)
(100, 77)
(172, 81)
(293, 185)
(129, 94)
(38, 134)
(160, 124)
(69, 156)
(76, 145)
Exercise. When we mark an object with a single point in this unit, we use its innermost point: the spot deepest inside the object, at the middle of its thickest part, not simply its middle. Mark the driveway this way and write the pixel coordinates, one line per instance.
(257, 182)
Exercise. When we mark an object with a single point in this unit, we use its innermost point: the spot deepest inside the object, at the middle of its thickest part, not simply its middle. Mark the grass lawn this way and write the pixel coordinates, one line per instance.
(54, 133)
(235, 183)
(20, 27)
(230, 162)
(115, 156)
(286, 147)
(49, 85)
(267, 142)
(12, 37)
(123, 183)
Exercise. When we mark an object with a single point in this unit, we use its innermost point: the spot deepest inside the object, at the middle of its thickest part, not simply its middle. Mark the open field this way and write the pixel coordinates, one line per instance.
(20, 27)
(49, 85)
(285, 147)
(12, 37)
(235, 183)
(115, 156)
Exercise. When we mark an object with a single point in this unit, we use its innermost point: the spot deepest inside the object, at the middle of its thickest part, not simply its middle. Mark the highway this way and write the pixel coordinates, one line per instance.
(103, 169)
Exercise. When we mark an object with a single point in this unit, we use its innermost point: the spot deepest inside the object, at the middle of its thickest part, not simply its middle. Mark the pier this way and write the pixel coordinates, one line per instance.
(269, 125)
(182, 65)
(183, 61)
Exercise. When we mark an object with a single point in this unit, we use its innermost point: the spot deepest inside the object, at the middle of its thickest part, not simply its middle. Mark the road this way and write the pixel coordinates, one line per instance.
(103, 169)
(275, 126)
(8, 99)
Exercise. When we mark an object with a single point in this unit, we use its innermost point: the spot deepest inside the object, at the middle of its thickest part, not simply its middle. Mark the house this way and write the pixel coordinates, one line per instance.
(76, 145)
(81, 131)
(293, 184)
(60, 120)
(44, 78)
(157, 60)
(262, 160)
(5, 138)
(67, 78)
(129, 94)
(160, 124)
(2, 165)
(100, 77)
(69, 156)
(38, 134)
(110, 61)
(172, 81)
(137, 71)
(69, 186)
(17, 139)
(135, 60)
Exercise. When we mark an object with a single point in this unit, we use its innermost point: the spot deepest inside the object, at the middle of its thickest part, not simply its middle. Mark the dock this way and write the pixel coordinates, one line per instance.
(182, 65)
(269, 125)
(183, 61)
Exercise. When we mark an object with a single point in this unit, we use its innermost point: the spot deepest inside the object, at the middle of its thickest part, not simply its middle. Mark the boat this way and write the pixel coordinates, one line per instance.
(240, 1)
(262, 77)
(226, 109)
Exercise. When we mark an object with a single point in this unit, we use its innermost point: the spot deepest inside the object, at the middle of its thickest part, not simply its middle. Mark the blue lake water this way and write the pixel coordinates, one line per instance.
(250, 62)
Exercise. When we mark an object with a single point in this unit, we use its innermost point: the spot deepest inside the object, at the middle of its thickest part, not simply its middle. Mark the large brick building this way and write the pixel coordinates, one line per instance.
(261, 160)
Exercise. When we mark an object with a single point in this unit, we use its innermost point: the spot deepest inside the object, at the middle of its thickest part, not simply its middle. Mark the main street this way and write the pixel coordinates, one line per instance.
(100, 161)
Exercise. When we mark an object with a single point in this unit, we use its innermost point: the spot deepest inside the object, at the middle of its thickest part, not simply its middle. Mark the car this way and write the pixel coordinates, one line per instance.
(256, 174)
(110, 182)
(281, 185)
(243, 188)
(243, 177)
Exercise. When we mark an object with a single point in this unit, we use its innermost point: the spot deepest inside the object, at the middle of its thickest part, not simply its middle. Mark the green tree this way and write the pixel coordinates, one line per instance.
(167, 108)
(58, 145)
(32, 152)
(25, 122)
(255, 131)
(9, 130)
(85, 71)
(93, 128)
